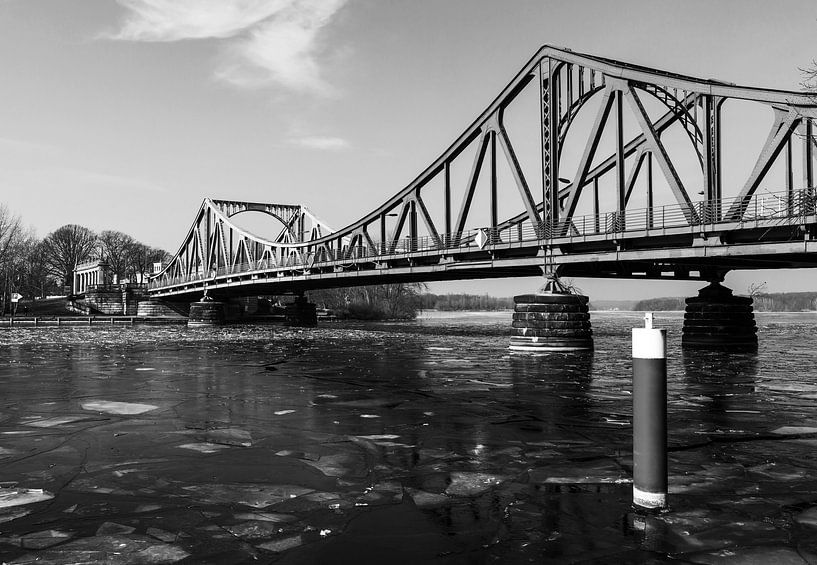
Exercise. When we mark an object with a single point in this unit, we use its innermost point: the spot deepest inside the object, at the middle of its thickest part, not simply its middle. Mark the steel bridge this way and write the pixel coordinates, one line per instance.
(662, 218)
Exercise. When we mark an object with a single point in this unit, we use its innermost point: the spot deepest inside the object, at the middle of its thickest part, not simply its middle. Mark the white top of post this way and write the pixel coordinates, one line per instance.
(649, 342)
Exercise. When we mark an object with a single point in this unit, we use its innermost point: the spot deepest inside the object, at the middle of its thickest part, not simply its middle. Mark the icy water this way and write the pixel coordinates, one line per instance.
(423, 442)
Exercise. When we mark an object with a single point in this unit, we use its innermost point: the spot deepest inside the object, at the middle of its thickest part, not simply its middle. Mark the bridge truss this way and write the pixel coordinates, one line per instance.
(641, 126)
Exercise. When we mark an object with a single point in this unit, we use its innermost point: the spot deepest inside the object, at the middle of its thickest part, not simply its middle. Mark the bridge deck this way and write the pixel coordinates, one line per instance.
(773, 230)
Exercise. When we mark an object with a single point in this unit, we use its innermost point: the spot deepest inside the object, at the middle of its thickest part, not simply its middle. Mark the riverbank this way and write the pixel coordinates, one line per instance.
(84, 321)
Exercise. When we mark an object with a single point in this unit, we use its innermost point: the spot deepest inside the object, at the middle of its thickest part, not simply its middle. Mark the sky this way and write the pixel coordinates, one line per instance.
(126, 114)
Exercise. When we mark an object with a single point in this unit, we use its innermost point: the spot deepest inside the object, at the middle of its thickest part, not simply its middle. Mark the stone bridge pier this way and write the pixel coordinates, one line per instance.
(552, 319)
(716, 319)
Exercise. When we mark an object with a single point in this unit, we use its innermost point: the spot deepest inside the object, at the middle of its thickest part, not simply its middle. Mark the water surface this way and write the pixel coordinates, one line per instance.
(419, 442)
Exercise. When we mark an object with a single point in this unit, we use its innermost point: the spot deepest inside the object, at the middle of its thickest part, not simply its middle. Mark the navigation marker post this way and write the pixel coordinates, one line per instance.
(649, 416)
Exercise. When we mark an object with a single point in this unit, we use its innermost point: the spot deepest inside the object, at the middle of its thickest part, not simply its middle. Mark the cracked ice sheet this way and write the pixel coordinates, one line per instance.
(112, 550)
(254, 495)
(122, 408)
(751, 556)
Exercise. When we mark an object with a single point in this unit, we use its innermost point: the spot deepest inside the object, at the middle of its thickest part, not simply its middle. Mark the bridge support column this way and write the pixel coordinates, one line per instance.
(553, 319)
(301, 313)
(715, 319)
(207, 312)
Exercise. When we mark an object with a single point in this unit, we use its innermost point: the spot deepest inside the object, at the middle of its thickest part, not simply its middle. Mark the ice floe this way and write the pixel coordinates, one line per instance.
(21, 496)
(282, 544)
(466, 483)
(122, 408)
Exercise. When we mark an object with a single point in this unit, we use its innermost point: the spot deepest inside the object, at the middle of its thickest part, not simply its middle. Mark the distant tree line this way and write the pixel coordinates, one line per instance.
(36, 268)
(457, 302)
(660, 304)
(763, 302)
(399, 301)
(785, 301)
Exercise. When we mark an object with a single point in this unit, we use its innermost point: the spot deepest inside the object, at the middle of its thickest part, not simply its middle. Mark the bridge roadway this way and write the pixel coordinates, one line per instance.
(775, 230)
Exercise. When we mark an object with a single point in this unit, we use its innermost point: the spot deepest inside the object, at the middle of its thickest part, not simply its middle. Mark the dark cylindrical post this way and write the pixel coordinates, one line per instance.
(649, 416)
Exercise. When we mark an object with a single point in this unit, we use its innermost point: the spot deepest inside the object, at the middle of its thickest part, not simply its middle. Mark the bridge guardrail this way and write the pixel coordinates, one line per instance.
(781, 206)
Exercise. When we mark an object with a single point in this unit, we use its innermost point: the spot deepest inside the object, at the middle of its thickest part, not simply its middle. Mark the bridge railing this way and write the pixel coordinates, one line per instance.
(781, 207)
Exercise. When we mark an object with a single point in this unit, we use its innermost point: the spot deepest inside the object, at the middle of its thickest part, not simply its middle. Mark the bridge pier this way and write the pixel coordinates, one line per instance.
(207, 312)
(301, 313)
(715, 319)
(553, 319)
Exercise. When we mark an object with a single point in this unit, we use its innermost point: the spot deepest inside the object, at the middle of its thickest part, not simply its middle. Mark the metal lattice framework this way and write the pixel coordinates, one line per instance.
(404, 239)
(215, 245)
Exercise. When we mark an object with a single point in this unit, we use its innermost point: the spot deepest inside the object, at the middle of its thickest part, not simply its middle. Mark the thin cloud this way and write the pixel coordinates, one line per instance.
(321, 143)
(266, 42)
(27, 146)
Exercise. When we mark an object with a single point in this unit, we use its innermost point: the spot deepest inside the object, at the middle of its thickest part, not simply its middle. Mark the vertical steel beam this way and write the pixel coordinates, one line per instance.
(621, 187)
(580, 75)
(447, 204)
(383, 232)
(494, 202)
(789, 175)
(650, 202)
(808, 154)
(596, 204)
(413, 225)
(712, 148)
(549, 96)
(207, 241)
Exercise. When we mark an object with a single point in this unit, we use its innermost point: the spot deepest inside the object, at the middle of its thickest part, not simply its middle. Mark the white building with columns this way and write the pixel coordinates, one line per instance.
(90, 273)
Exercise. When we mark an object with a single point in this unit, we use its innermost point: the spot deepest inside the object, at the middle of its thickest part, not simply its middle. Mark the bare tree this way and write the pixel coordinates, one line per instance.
(35, 276)
(115, 248)
(756, 289)
(141, 259)
(11, 232)
(67, 247)
(10, 227)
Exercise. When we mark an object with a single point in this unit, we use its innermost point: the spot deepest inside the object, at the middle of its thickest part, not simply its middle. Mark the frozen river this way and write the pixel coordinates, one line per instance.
(422, 442)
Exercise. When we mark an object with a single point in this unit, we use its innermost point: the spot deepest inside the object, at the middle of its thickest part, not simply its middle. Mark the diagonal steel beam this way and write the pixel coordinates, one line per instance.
(660, 153)
(589, 152)
(631, 180)
(399, 227)
(785, 123)
(472, 181)
(630, 147)
(516, 170)
(427, 219)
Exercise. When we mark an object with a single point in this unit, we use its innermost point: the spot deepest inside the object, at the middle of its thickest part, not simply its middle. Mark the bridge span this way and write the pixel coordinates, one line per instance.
(628, 181)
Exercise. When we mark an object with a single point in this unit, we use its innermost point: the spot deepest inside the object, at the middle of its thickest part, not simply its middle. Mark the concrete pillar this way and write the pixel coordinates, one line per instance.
(553, 319)
(715, 319)
(207, 312)
(301, 313)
